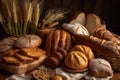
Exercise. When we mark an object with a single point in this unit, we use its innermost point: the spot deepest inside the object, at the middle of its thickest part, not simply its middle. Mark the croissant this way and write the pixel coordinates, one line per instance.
(102, 46)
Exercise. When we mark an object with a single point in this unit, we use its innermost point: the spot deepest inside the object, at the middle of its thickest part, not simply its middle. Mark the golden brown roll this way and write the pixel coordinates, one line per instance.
(62, 51)
(76, 60)
(57, 77)
(58, 55)
(85, 50)
(52, 62)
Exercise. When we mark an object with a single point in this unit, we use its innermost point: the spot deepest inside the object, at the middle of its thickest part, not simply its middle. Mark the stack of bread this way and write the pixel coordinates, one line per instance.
(21, 53)
(72, 47)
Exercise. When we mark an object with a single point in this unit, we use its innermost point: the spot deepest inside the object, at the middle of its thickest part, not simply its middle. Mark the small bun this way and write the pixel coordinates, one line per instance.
(52, 62)
(58, 55)
(57, 77)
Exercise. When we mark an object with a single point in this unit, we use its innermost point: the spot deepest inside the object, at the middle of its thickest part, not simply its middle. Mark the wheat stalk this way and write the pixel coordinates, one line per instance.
(53, 15)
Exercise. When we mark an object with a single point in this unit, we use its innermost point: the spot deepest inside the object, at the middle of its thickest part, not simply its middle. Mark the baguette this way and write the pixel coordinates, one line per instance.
(107, 48)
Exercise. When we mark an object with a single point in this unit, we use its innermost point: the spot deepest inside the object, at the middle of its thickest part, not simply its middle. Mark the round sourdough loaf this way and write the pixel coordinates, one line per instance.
(28, 41)
(76, 60)
(85, 50)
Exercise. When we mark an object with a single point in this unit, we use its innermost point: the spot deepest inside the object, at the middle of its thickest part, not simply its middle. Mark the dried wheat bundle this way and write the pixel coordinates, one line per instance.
(53, 15)
(20, 17)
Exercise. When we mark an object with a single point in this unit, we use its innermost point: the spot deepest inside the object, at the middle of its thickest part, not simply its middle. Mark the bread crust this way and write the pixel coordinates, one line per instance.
(63, 37)
(55, 41)
(68, 42)
(48, 43)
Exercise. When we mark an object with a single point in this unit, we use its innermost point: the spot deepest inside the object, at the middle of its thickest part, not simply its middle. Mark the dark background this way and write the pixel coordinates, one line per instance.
(107, 10)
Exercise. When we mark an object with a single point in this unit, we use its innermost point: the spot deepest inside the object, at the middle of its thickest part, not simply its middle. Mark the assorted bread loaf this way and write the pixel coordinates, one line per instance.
(70, 47)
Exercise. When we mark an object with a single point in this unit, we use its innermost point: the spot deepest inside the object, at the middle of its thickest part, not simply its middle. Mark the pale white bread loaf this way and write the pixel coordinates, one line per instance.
(79, 18)
(92, 22)
(75, 28)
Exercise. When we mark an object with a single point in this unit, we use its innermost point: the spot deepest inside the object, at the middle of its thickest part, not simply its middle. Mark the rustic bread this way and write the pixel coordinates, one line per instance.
(76, 60)
(33, 52)
(30, 40)
(57, 38)
(85, 50)
(106, 48)
(7, 43)
(100, 68)
(78, 17)
(92, 22)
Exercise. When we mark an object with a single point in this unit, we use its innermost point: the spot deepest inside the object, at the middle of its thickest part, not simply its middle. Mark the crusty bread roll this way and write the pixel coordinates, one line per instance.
(52, 62)
(100, 68)
(76, 60)
(85, 50)
(92, 22)
(78, 17)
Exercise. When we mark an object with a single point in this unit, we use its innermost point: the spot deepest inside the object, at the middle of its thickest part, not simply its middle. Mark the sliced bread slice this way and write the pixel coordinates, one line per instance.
(78, 18)
(92, 22)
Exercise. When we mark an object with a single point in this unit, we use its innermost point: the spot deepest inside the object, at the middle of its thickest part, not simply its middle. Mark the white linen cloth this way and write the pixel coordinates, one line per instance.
(69, 76)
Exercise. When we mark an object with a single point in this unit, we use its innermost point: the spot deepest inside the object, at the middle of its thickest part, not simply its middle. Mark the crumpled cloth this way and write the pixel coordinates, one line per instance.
(69, 76)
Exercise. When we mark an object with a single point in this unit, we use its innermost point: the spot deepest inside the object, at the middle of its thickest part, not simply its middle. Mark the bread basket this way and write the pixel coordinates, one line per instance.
(114, 60)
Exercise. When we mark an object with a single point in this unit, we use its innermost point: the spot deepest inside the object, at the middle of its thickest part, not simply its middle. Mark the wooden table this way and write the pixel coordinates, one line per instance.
(5, 74)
